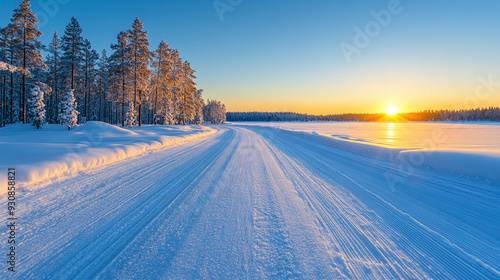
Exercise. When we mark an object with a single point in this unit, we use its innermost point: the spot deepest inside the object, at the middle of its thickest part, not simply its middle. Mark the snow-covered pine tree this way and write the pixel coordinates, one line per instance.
(90, 57)
(187, 108)
(176, 85)
(28, 45)
(222, 112)
(214, 112)
(172, 92)
(10, 42)
(37, 107)
(198, 105)
(207, 112)
(69, 115)
(103, 84)
(120, 72)
(169, 114)
(3, 80)
(140, 59)
(53, 78)
(162, 68)
(72, 53)
(131, 118)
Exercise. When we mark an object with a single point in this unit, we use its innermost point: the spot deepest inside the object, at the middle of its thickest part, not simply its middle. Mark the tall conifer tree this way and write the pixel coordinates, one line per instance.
(29, 45)
(140, 59)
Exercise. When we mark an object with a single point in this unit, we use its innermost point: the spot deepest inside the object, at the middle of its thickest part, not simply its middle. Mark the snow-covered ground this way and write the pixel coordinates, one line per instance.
(471, 149)
(52, 152)
(252, 202)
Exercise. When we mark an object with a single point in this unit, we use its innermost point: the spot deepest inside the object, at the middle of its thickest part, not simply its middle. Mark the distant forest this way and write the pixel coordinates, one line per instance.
(479, 114)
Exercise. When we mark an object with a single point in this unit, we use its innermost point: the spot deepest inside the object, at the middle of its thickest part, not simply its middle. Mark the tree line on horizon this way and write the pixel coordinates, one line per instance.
(478, 114)
(132, 86)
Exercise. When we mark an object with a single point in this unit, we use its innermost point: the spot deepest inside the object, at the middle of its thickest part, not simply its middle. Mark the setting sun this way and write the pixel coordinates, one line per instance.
(391, 111)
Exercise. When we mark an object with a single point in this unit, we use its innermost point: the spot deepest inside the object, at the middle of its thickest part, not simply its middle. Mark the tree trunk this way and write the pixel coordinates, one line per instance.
(135, 82)
(56, 90)
(2, 100)
(140, 107)
(156, 102)
(100, 103)
(49, 107)
(24, 98)
(24, 76)
(123, 96)
(11, 97)
(117, 114)
(123, 109)
(5, 96)
(85, 108)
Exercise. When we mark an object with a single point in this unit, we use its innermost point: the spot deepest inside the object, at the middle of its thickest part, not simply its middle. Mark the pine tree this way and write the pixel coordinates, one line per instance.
(176, 85)
(72, 48)
(162, 68)
(140, 59)
(99, 85)
(198, 105)
(37, 107)
(214, 112)
(131, 119)
(120, 70)
(169, 115)
(29, 45)
(3, 78)
(103, 84)
(187, 102)
(10, 41)
(90, 58)
(54, 79)
(69, 114)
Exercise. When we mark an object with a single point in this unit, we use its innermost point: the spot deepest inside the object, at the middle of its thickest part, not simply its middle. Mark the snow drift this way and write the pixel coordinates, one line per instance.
(485, 164)
(461, 149)
(52, 152)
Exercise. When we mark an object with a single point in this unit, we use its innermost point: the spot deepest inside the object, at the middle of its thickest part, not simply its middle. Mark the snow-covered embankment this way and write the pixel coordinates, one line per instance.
(52, 152)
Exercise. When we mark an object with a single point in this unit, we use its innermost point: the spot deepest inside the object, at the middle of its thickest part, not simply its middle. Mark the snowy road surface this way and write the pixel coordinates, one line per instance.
(254, 202)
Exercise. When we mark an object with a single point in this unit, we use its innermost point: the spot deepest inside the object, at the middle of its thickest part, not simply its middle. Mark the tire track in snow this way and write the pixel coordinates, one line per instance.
(68, 246)
(364, 251)
(184, 211)
(439, 256)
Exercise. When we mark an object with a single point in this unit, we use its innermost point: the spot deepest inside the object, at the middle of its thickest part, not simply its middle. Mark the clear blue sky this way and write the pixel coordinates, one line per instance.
(277, 55)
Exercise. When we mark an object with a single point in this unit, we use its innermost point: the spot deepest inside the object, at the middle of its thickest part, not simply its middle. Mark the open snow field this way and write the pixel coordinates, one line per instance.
(253, 201)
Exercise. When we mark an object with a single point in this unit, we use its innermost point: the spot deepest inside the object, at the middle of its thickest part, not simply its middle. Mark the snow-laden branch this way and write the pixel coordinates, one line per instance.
(11, 68)
(7, 67)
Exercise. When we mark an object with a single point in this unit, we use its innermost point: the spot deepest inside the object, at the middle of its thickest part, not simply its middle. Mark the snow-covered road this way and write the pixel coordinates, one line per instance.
(256, 202)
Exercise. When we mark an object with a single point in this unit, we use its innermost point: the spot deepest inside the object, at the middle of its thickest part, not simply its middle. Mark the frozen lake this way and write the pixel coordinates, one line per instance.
(480, 137)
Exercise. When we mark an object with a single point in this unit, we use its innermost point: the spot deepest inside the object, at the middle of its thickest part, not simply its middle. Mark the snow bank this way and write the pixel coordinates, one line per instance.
(485, 164)
(52, 152)
(470, 150)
